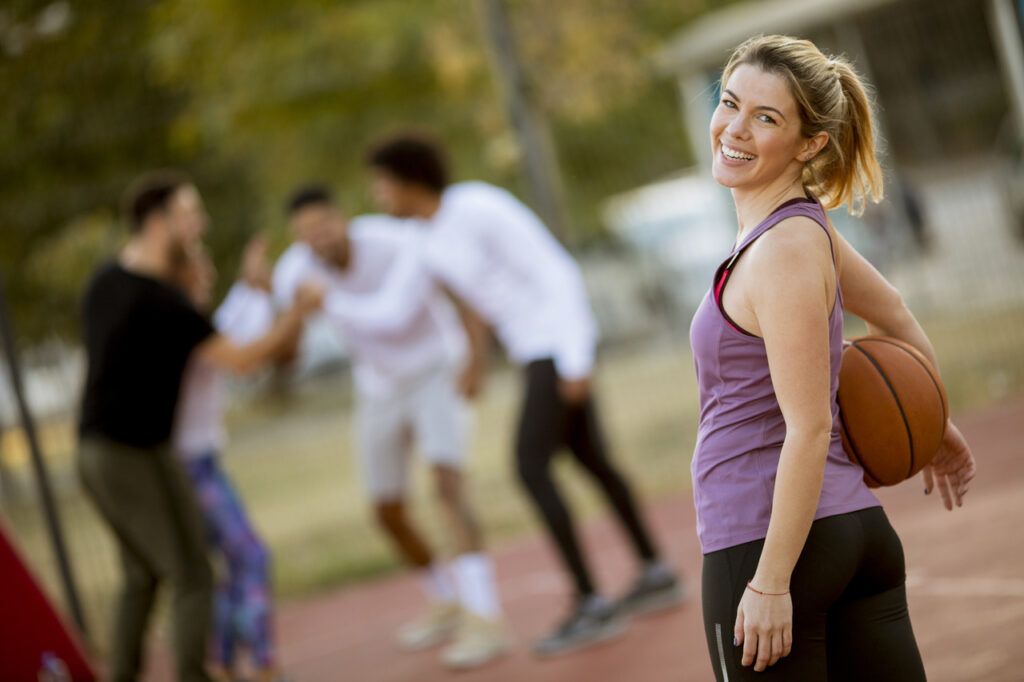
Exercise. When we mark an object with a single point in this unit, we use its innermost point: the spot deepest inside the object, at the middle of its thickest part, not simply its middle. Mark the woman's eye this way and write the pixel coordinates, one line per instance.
(765, 118)
(728, 103)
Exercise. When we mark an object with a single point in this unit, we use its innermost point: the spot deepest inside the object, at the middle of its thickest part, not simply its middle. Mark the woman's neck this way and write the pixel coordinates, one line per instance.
(756, 204)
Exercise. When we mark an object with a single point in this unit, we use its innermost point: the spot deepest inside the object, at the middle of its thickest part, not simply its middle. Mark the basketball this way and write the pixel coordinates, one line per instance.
(892, 408)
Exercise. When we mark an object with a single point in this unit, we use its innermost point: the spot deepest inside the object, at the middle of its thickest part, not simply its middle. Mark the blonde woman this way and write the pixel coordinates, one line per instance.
(803, 575)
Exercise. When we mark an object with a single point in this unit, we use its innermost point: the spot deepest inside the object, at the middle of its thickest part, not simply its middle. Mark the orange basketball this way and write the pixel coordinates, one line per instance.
(892, 408)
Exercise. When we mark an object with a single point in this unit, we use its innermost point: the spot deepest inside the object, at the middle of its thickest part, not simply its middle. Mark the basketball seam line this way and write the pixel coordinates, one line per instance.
(931, 375)
(853, 446)
(899, 404)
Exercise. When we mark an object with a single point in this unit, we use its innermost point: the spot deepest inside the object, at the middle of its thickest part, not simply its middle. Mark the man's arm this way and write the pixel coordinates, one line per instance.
(226, 353)
(393, 306)
(478, 335)
(245, 314)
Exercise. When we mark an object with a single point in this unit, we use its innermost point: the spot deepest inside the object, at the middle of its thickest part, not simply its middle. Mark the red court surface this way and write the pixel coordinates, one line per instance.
(965, 582)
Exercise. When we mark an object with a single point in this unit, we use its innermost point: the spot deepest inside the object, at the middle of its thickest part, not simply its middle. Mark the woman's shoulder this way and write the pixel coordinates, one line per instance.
(792, 241)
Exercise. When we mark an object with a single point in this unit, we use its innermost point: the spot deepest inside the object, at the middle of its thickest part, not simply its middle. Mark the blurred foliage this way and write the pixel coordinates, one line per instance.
(254, 98)
(82, 115)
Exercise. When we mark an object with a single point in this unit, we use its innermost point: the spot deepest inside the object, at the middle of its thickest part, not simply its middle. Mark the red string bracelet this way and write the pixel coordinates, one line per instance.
(765, 594)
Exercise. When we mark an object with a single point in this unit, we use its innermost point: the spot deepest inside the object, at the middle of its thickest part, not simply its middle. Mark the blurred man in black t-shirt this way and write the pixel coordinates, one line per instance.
(139, 332)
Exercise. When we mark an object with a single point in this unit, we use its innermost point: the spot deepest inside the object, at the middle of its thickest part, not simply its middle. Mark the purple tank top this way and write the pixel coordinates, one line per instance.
(741, 429)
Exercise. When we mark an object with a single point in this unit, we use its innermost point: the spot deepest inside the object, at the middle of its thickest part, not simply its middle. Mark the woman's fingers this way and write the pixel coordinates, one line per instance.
(776, 648)
(962, 489)
(953, 468)
(764, 626)
(764, 651)
(947, 499)
(750, 647)
(968, 470)
(955, 487)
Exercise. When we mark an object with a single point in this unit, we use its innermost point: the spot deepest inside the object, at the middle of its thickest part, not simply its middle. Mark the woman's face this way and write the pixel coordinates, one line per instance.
(755, 131)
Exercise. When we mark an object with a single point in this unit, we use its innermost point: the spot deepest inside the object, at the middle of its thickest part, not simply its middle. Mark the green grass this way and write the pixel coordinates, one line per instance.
(292, 461)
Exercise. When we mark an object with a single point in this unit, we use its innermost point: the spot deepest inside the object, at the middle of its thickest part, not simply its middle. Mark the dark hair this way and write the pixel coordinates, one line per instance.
(307, 195)
(411, 158)
(150, 193)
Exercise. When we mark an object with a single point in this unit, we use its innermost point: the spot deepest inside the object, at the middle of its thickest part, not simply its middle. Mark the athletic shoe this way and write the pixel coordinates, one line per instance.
(593, 620)
(434, 627)
(477, 641)
(656, 589)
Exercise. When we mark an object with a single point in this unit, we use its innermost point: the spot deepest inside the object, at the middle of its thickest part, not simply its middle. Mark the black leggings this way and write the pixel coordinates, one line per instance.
(850, 618)
(545, 424)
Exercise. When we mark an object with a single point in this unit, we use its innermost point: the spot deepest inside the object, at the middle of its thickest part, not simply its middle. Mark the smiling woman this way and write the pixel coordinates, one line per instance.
(799, 558)
(818, 103)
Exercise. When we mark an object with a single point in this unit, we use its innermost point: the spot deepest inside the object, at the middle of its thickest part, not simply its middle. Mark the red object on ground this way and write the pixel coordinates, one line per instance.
(30, 627)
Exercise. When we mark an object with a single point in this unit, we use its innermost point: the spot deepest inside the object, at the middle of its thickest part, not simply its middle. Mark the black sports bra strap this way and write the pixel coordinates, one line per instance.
(802, 206)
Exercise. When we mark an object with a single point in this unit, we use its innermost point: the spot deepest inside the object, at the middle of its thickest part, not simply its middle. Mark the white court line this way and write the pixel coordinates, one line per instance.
(966, 587)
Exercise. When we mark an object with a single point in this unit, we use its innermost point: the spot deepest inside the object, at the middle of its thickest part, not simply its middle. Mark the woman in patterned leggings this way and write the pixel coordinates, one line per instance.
(242, 606)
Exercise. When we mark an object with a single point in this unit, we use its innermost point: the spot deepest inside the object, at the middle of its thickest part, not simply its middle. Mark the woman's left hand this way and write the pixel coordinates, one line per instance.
(953, 467)
(764, 627)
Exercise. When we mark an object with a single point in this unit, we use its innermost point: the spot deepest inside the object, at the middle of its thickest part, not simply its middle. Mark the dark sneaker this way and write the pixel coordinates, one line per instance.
(656, 589)
(594, 620)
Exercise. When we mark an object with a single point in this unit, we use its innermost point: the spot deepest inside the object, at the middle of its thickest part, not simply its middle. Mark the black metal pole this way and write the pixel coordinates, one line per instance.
(42, 477)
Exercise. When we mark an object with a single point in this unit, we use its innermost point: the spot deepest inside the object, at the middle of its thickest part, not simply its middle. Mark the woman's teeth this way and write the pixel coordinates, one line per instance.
(735, 154)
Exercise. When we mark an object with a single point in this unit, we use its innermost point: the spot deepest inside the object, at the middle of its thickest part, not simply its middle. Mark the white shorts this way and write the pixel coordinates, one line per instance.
(427, 415)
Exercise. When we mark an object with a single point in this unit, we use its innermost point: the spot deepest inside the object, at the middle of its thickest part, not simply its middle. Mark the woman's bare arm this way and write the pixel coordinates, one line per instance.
(869, 296)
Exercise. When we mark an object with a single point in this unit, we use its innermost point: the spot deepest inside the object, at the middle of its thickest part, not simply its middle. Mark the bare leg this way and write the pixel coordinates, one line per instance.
(392, 517)
(458, 515)
(441, 618)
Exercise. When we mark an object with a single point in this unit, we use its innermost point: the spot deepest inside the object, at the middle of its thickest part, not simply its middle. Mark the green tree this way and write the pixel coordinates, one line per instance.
(253, 98)
(82, 115)
(299, 89)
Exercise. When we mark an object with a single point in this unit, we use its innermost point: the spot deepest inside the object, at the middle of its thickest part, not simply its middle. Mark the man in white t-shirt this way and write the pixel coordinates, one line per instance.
(411, 383)
(495, 253)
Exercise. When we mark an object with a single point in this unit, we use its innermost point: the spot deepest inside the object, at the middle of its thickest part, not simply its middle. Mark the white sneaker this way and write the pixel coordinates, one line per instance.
(478, 640)
(435, 626)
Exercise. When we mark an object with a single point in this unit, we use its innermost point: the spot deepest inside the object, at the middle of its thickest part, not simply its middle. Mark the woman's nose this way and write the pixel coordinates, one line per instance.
(737, 127)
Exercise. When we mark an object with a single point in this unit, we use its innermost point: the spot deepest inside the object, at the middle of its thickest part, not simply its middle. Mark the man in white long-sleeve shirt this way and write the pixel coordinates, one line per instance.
(411, 378)
(492, 251)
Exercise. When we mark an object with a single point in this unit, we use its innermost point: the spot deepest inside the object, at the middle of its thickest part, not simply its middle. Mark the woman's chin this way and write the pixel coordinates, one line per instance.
(723, 177)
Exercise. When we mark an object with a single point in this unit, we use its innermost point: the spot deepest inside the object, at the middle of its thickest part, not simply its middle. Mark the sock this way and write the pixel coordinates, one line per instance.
(474, 578)
(437, 584)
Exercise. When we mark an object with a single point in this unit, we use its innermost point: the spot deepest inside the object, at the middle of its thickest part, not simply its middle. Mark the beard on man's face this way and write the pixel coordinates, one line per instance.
(177, 253)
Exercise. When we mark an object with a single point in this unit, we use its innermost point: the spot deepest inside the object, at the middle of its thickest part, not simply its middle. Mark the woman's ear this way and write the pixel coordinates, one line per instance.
(811, 146)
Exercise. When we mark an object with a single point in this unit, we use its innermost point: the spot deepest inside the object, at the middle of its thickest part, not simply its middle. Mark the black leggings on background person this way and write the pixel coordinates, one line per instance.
(850, 617)
(546, 423)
